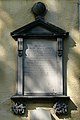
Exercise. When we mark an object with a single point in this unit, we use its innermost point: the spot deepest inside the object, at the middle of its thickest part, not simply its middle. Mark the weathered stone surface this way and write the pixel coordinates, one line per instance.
(40, 67)
(40, 114)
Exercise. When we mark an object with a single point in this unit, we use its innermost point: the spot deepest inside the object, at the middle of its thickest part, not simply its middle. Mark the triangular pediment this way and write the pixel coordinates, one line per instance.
(38, 28)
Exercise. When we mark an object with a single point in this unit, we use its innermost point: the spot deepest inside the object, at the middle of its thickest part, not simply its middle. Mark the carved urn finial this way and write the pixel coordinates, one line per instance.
(39, 9)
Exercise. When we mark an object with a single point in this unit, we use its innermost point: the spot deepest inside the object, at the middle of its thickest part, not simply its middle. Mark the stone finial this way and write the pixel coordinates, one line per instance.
(39, 9)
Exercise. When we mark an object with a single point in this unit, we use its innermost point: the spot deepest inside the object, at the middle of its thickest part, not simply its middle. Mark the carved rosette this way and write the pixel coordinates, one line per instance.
(61, 107)
(18, 109)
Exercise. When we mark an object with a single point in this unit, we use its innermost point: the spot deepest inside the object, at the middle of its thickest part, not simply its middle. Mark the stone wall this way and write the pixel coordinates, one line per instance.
(16, 13)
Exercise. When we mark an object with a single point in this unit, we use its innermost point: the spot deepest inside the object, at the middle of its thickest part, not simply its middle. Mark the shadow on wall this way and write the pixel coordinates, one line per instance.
(7, 58)
(69, 43)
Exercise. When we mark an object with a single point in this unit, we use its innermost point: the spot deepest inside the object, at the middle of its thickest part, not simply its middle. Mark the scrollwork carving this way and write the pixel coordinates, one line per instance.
(61, 107)
(60, 48)
(20, 47)
(18, 109)
(20, 53)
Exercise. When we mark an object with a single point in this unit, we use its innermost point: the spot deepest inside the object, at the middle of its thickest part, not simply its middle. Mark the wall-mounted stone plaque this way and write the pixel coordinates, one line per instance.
(40, 70)
(40, 67)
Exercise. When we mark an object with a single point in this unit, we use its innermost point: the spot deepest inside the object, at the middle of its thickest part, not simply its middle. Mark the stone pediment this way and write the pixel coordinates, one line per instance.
(39, 28)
